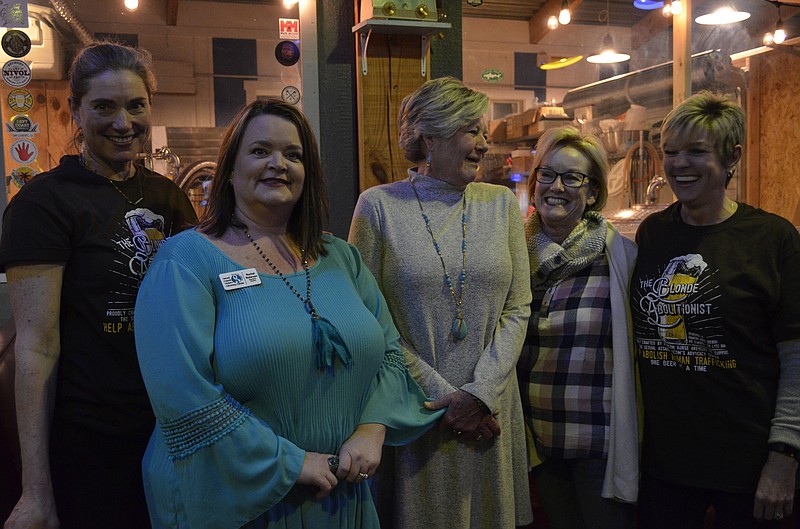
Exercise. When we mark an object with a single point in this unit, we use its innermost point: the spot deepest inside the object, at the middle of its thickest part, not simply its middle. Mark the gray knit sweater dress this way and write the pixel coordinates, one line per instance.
(444, 481)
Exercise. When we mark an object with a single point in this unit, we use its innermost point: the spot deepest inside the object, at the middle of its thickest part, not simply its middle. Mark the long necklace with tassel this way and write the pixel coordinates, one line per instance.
(327, 341)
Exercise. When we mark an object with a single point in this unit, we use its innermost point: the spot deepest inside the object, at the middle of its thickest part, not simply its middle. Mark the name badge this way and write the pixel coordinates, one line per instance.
(240, 279)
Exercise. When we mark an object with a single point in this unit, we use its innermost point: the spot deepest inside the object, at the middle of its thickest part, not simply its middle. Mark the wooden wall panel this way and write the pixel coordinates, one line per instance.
(393, 72)
(50, 114)
(778, 133)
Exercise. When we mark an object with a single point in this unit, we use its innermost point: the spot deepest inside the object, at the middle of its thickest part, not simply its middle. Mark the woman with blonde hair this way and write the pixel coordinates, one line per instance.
(449, 255)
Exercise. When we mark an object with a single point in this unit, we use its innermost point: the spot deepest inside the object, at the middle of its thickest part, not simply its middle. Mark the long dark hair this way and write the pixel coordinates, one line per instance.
(310, 214)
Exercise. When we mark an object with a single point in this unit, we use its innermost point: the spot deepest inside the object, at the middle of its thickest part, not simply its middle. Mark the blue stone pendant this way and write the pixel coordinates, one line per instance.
(459, 329)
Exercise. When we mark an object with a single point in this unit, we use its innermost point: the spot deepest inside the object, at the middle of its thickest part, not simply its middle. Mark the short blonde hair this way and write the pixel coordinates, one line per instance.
(586, 144)
(437, 109)
(712, 112)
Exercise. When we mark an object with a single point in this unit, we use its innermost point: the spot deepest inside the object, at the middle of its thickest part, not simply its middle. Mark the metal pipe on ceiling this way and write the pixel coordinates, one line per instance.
(65, 11)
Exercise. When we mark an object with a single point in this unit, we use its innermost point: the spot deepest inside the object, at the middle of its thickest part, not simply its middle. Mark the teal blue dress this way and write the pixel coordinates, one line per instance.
(238, 396)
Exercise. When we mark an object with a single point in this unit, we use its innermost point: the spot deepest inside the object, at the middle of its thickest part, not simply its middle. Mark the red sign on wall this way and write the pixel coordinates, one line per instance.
(289, 28)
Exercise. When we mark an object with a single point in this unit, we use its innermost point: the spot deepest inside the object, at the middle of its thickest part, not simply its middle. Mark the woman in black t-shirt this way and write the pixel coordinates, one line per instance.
(717, 329)
(76, 243)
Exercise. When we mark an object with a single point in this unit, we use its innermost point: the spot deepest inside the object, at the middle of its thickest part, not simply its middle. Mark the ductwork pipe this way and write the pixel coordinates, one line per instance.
(65, 11)
(652, 87)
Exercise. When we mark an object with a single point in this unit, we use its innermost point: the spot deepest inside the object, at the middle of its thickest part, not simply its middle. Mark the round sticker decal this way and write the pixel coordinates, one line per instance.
(291, 95)
(21, 123)
(20, 100)
(287, 53)
(16, 43)
(21, 175)
(16, 73)
(23, 151)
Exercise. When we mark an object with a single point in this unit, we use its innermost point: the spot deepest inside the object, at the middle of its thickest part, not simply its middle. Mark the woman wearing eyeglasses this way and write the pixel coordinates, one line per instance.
(576, 369)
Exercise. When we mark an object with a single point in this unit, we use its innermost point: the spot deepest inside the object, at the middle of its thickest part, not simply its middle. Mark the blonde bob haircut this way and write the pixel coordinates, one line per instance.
(437, 109)
(588, 145)
(711, 112)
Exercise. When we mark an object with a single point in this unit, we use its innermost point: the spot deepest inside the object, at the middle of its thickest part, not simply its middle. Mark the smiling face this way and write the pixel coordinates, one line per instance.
(695, 170)
(455, 160)
(560, 207)
(268, 174)
(114, 116)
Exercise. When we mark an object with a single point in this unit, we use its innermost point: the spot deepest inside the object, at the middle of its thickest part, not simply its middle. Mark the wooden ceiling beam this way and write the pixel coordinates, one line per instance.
(537, 24)
(172, 12)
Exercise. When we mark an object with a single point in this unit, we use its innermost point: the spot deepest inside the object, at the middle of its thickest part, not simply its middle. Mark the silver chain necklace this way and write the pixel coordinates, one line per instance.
(459, 327)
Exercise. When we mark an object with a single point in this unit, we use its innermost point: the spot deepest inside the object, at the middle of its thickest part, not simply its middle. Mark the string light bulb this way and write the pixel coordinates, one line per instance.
(677, 7)
(564, 16)
(780, 35)
(131, 5)
(552, 22)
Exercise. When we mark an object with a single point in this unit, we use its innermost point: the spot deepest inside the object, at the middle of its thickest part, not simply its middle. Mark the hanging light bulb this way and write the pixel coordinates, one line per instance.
(768, 38)
(288, 4)
(552, 22)
(677, 7)
(779, 35)
(667, 9)
(131, 5)
(564, 16)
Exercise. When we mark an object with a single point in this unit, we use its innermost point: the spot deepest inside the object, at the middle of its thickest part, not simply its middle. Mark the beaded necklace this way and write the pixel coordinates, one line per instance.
(327, 342)
(459, 328)
(307, 301)
(110, 181)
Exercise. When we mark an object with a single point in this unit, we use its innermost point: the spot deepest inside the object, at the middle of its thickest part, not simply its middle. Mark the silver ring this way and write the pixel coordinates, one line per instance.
(478, 437)
(778, 515)
(362, 475)
(333, 464)
(456, 432)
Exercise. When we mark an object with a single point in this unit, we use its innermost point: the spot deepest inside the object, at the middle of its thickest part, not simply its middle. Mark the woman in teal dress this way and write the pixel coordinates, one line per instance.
(268, 352)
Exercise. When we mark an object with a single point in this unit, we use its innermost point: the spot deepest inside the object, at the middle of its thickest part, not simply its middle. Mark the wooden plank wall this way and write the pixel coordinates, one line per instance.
(774, 134)
(50, 111)
(393, 72)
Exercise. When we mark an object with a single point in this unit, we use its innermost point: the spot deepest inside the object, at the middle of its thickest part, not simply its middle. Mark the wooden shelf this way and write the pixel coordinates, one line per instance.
(398, 27)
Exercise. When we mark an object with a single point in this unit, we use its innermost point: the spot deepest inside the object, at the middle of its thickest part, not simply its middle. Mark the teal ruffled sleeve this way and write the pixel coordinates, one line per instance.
(210, 463)
(396, 400)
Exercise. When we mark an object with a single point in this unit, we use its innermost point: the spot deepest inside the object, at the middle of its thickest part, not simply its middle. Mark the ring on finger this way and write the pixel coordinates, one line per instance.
(333, 464)
(778, 515)
(478, 437)
(457, 432)
(363, 475)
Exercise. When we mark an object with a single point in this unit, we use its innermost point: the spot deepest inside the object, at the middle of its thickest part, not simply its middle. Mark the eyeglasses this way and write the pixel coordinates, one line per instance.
(545, 175)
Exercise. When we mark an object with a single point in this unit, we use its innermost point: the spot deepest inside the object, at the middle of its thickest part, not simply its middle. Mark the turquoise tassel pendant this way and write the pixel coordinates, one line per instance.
(459, 329)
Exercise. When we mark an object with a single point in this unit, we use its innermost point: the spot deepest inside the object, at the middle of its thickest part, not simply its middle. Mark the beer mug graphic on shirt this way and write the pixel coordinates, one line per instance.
(678, 281)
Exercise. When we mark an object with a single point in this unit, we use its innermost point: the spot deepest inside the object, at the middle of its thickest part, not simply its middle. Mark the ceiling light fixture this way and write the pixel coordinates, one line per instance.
(131, 5)
(647, 5)
(779, 35)
(564, 16)
(560, 62)
(552, 22)
(608, 55)
(672, 8)
(724, 15)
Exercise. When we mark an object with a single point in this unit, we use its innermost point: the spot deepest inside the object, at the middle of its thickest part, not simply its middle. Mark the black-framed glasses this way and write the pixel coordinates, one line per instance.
(545, 175)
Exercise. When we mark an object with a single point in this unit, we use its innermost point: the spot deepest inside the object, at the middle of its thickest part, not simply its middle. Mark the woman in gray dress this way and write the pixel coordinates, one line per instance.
(449, 255)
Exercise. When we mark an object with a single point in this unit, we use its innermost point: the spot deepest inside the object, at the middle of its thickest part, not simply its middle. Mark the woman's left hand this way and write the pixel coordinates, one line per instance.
(775, 491)
(360, 455)
(463, 415)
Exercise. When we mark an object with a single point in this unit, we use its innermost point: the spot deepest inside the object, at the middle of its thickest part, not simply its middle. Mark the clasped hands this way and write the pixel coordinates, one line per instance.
(357, 460)
(465, 416)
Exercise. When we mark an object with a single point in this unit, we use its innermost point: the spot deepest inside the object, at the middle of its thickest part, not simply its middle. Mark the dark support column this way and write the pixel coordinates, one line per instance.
(337, 109)
(446, 55)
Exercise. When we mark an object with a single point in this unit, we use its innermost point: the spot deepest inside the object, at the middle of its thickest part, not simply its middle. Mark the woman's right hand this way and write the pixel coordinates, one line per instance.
(36, 509)
(317, 473)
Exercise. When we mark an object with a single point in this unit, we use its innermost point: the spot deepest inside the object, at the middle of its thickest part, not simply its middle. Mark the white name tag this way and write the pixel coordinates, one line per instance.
(240, 279)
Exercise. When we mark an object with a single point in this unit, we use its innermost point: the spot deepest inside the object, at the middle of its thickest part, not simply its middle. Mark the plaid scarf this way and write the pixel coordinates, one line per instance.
(552, 262)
